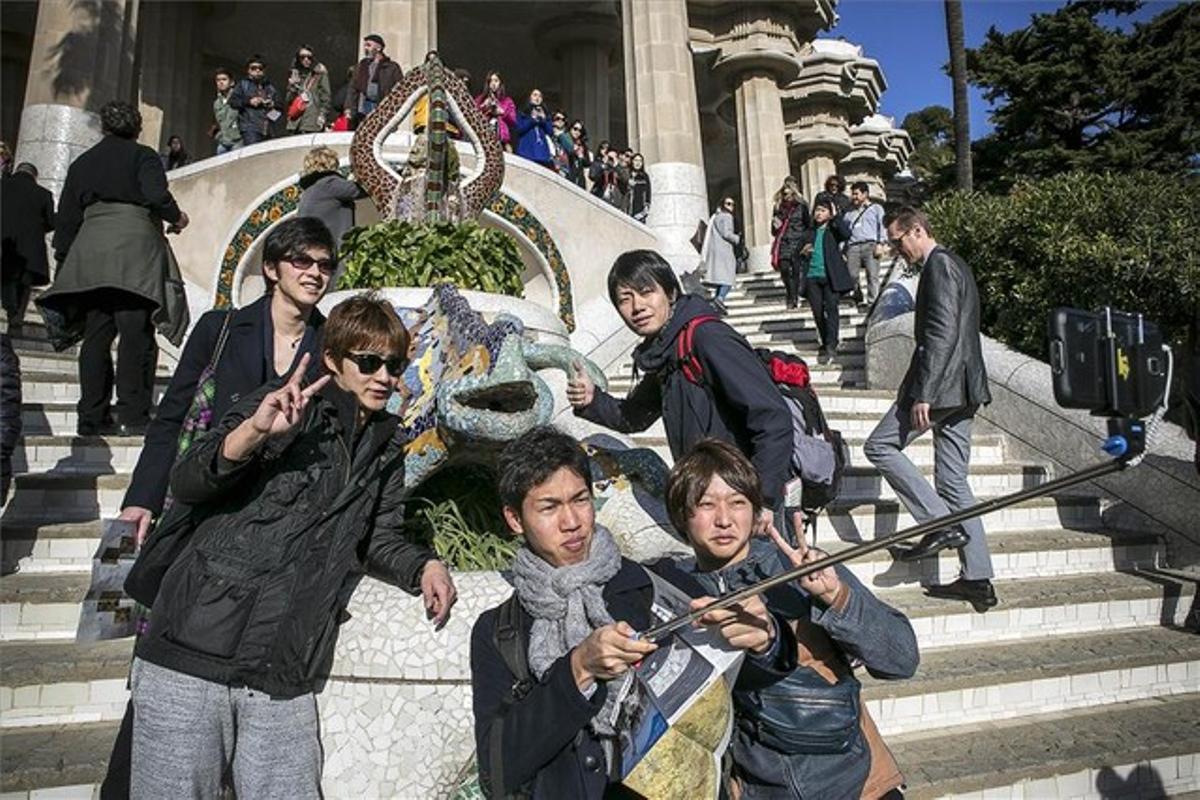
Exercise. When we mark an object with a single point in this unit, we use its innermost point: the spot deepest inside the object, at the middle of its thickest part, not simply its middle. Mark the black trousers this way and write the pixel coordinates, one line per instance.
(790, 271)
(112, 313)
(824, 302)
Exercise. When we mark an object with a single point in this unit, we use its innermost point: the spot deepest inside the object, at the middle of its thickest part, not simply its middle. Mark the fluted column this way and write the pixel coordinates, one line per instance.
(584, 43)
(408, 26)
(169, 71)
(82, 57)
(664, 120)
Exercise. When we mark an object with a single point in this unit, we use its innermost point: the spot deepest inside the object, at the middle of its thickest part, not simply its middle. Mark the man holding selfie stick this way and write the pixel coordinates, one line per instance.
(945, 384)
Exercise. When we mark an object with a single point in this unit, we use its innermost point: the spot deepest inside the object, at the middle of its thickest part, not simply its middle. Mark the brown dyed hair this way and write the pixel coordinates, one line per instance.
(907, 218)
(364, 322)
(691, 475)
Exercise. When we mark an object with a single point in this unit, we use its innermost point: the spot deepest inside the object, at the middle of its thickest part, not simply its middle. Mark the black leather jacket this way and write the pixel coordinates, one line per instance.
(280, 541)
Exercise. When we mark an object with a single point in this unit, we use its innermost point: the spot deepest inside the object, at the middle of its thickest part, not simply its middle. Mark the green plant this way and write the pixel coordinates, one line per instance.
(1082, 239)
(401, 253)
(464, 541)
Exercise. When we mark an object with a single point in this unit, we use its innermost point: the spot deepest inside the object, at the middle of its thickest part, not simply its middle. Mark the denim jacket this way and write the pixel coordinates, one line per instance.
(866, 630)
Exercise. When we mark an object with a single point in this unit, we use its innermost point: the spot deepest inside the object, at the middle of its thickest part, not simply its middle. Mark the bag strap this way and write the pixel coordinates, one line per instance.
(509, 641)
(222, 337)
(686, 352)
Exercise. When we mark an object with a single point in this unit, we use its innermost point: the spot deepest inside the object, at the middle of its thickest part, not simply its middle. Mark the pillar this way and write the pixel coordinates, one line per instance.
(169, 62)
(762, 156)
(664, 121)
(584, 43)
(82, 57)
(408, 26)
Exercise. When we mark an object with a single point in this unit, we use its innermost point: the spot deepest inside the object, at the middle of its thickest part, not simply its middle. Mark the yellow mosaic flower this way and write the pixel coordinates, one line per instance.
(291, 192)
(276, 213)
(255, 217)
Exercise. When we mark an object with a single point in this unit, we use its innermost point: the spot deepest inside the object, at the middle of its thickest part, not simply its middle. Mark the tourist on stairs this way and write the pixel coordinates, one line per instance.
(945, 384)
(732, 398)
(719, 252)
(534, 131)
(824, 278)
(790, 224)
(233, 352)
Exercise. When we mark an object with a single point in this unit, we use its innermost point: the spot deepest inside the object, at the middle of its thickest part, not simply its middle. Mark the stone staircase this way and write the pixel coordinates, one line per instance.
(1082, 682)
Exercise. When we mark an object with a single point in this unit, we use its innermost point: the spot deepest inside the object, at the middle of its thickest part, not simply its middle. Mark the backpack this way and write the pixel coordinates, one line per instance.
(819, 454)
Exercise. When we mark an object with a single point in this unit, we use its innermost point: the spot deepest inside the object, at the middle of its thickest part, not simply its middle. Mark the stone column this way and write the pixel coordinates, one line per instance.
(82, 57)
(664, 121)
(408, 26)
(169, 71)
(584, 42)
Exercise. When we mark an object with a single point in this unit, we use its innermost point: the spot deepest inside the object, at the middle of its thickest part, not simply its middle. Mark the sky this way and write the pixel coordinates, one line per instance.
(908, 39)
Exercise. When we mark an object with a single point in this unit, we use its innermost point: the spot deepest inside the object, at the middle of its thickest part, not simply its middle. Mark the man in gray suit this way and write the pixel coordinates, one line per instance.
(945, 384)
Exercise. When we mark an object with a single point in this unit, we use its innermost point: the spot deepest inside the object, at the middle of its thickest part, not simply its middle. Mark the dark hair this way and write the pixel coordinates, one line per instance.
(462, 74)
(224, 71)
(860, 186)
(532, 458)
(256, 59)
(582, 128)
(604, 145)
(640, 270)
(487, 80)
(838, 179)
(296, 60)
(692, 474)
(292, 237)
(27, 168)
(364, 321)
(118, 118)
(906, 218)
(825, 204)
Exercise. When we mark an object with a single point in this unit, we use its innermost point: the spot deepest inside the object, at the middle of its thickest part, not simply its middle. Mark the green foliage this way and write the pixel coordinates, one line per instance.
(1072, 92)
(401, 253)
(457, 512)
(1084, 240)
(932, 133)
(464, 540)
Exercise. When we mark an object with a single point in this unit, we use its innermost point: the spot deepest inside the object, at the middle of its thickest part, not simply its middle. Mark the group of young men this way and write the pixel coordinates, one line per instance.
(298, 491)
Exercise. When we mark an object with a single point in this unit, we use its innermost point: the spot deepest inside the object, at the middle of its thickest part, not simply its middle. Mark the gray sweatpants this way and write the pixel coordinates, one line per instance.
(188, 732)
(862, 254)
(951, 460)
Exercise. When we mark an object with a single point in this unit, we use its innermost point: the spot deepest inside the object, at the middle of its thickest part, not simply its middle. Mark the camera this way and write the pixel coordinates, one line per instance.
(1111, 363)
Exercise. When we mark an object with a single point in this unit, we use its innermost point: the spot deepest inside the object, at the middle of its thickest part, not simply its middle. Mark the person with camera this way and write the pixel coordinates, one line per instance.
(257, 102)
(294, 495)
(534, 132)
(498, 109)
(808, 735)
(946, 382)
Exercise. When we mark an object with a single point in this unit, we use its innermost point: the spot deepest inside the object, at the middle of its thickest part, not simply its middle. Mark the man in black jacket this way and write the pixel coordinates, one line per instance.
(945, 384)
(257, 102)
(26, 216)
(374, 77)
(578, 605)
(294, 494)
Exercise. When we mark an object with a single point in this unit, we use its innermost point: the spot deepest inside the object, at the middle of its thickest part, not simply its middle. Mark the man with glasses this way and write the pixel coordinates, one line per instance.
(945, 384)
(293, 496)
(257, 102)
(562, 149)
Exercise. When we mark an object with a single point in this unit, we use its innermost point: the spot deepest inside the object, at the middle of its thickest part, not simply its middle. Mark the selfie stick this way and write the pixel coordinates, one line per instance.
(1126, 443)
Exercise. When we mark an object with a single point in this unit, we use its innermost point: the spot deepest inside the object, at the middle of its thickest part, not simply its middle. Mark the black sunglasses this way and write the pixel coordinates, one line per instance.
(304, 263)
(369, 363)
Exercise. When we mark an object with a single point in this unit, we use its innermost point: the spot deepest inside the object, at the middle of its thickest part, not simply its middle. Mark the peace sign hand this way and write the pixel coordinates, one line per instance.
(282, 409)
(823, 584)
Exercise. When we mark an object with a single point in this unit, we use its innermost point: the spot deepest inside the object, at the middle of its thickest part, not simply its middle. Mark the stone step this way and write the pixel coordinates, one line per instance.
(50, 683)
(48, 419)
(1136, 749)
(55, 761)
(1015, 554)
(41, 606)
(38, 361)
(864, 482)
(63, 387)
(975, 685)
(77, 454)
(985, 449)
(64, 497)
(822, 377)
(63, 547)
(1041, 608)
(779, 314)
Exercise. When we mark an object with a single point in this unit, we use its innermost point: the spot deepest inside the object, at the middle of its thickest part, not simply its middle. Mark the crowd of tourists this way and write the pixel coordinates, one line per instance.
(251, 109)
(271, 481)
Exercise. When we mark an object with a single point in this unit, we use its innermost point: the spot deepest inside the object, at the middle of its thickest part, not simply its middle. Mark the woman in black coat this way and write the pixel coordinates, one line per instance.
(790, 225)
(266, 339)
(823, 276)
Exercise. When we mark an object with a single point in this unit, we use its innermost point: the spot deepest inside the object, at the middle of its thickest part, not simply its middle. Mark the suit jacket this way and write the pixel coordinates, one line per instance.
(245, 365)
(947, 369)
(26, 216)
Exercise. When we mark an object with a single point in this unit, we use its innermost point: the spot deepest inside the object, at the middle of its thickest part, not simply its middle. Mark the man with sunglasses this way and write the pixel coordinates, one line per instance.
(293, 496)
(257, 102)
(945, 384)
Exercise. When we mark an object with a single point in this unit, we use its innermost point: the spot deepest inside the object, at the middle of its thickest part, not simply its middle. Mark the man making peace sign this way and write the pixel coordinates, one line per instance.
(293, 496)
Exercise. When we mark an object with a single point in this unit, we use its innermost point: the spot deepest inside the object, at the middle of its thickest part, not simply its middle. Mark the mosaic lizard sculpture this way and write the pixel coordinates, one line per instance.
(428, 187)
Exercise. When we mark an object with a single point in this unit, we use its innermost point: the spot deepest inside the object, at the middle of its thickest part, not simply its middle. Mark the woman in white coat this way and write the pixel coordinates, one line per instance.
(719, 252)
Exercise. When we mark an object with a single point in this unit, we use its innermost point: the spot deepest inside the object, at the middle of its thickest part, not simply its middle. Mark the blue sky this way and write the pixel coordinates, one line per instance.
(908, 38)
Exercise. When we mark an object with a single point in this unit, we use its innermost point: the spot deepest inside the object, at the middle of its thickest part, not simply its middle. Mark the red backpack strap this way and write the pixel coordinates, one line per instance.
(684, 350)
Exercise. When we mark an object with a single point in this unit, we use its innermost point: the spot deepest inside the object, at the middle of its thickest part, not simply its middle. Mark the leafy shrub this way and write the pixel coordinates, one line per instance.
(1128, 240)
(457, 512)
(401, 253)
